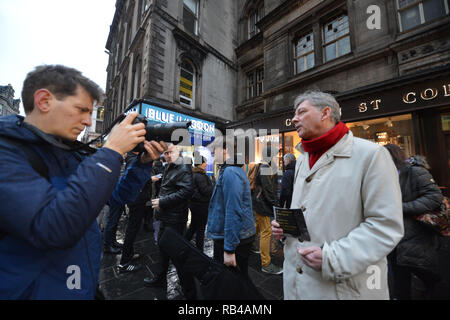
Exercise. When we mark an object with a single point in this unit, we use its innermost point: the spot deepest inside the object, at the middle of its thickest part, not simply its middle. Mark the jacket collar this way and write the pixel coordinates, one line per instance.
(343, 148)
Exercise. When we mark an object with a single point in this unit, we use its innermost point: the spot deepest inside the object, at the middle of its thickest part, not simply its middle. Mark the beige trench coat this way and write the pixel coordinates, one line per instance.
(353, 207)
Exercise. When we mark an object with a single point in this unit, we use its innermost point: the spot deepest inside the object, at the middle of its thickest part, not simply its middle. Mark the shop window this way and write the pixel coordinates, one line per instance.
(291, 140)
(187, 83)
(190, 16)
(395, 130)
(336, 38)
(255, 83)
(445, 122)
(253, 18)
(412, 13)
(273, 140)
(100, 113)
(304, 53)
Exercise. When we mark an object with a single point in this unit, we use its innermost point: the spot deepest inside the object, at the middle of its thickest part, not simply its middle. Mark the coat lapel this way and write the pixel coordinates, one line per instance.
(341, 149)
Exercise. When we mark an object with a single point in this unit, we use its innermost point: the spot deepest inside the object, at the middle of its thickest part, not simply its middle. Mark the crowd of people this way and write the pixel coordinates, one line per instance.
(361, 202)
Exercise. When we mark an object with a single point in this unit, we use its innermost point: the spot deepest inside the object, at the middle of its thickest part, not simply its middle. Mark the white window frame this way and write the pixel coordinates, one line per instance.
(421, 12)
(191, 103)
(195, 14)
(253, 18)
(326, 44)
(255, 82)
(304, 55)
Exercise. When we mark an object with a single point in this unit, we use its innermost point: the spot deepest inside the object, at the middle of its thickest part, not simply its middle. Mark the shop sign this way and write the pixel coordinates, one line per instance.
(200, 129)
(419, 96)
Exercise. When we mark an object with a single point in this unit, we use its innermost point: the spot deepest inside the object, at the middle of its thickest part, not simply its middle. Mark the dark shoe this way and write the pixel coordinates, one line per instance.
(159, 281)
(136, 256)
(117, 245)
(111, 250)
(129, 267)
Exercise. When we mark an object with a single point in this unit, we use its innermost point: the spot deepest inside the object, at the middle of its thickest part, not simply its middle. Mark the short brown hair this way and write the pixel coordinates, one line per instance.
(60, 80)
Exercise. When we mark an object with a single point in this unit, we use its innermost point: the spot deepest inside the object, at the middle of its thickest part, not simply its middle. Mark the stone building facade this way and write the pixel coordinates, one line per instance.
(8, 105)
(178, 53)
(386, 62)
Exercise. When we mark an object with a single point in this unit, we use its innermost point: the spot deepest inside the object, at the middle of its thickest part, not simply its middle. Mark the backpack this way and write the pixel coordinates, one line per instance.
(33, 158)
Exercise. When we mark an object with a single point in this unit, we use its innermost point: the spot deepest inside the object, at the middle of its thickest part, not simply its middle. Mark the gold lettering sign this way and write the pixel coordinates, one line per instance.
(429, 94)
(447, 90)
(376, 104)
(407, 99)
(363, 107)
(288, 122)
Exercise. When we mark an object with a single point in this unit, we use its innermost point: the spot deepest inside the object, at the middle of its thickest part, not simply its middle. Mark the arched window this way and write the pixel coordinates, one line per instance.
(187, 83)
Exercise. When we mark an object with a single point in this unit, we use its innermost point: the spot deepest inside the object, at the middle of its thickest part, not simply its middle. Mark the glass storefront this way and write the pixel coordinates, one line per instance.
(274, 140)
(396, 130)
(291, 140)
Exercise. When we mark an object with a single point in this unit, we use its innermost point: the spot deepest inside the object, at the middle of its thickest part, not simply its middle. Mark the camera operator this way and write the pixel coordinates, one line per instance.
(50, 246)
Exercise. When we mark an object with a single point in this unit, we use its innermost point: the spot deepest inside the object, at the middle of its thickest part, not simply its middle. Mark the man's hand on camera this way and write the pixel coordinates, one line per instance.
(154, 151)
(125, 135)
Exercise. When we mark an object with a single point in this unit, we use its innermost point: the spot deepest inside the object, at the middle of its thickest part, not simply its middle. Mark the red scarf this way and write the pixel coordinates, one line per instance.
(317, 147)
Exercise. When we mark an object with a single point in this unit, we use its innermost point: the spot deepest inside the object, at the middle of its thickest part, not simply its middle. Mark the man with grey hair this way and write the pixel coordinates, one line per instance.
(287, 181)
(349, 192)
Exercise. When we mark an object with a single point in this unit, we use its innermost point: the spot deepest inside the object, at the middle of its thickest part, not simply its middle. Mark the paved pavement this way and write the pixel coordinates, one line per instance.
(130, 286)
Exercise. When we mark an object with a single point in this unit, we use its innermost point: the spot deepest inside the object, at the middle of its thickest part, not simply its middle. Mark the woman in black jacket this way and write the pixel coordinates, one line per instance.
(203, 189)
(417, 251)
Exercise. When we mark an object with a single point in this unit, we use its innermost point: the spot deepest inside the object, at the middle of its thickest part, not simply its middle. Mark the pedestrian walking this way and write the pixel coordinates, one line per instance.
(110, 244)
(231, 223)
(137, 212)
(417, 252)
(157, 174)
(264, 185)
(172, 211)
(203, 188)
(287, 181)
(350, 196)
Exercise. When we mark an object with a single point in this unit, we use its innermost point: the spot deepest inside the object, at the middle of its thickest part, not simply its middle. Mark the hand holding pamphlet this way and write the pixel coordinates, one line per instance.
(292, 221)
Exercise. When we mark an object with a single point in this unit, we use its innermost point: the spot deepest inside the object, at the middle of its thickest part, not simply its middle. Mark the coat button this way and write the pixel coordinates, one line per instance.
(299, 270)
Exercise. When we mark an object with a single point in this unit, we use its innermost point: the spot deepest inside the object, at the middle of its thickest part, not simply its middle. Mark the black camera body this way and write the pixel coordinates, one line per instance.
(160, 131)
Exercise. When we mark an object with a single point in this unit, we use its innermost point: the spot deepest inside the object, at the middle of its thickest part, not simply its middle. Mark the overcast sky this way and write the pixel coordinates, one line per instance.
(69, 32)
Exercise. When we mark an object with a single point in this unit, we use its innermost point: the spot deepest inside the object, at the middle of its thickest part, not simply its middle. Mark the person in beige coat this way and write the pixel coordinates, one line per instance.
(349, 191)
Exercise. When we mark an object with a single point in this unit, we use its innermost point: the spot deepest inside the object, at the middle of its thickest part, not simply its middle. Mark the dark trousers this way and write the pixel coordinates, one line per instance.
(199, 218)
(137, 213)
(400, 282)
(111, 225)
(187, 283)
(242, 253)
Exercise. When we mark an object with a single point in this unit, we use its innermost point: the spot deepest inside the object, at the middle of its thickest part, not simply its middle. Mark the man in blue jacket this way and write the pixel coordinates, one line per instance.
(50, 246)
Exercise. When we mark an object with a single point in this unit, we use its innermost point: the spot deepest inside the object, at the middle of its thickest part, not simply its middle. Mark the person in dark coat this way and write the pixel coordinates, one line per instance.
(264, 186)
(172, 211)
(287, 181)
(203, 189)
(157, 172)
(417, 252)
(137, 213)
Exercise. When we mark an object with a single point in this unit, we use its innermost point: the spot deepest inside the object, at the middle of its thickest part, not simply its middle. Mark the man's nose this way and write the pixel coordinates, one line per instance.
(87, 121)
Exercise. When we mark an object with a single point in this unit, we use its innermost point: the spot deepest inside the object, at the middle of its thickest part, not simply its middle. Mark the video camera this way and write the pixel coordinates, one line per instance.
(159, 131)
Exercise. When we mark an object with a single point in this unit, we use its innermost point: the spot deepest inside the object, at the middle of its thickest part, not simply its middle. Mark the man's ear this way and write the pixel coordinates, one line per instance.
(326, 113)
(43, 99)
